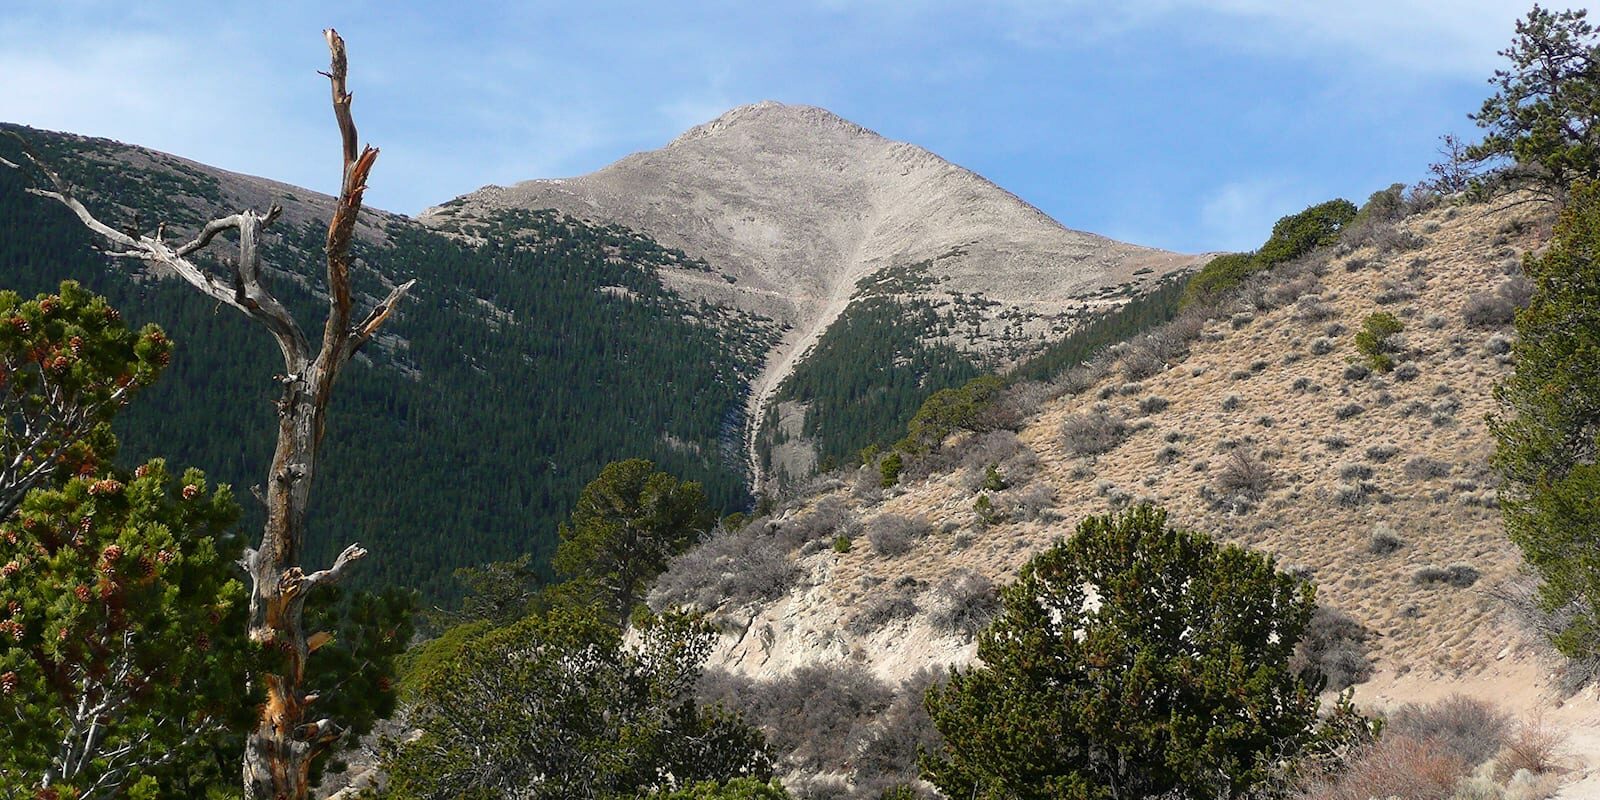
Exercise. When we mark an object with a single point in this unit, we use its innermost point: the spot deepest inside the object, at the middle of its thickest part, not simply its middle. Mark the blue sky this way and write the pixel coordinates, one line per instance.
(1185, 124)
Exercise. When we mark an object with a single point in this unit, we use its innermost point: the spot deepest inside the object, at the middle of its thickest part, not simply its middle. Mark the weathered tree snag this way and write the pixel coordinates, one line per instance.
(288, 736)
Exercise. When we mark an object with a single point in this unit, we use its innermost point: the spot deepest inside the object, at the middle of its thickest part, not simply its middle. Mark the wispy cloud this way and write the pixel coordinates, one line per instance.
(1454, 37)
(1239, 215)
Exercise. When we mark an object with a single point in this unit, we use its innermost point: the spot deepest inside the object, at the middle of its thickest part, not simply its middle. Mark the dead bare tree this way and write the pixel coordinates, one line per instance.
(288, 736)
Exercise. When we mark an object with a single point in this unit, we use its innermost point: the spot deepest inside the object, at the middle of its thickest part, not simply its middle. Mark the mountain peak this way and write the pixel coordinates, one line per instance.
(771, 115)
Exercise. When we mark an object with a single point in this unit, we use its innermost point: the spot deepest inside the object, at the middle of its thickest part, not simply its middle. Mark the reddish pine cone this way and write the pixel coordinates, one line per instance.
(107, 486)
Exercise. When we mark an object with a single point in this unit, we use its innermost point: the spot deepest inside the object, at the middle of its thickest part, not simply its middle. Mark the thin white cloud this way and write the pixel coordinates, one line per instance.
(1456, 38)
(1239, 215)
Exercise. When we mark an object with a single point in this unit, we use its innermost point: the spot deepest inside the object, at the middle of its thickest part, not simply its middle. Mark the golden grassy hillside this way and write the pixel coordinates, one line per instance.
(1376, 486)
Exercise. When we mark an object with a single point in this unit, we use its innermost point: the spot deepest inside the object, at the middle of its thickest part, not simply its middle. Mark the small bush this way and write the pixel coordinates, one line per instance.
(1311, 308)
(1093, 432)
(1244, 474)
(1384, 205)
(1383, 541)
(1386, 239)
(893, 534)
(1535, 745)
(1407, 372)
(1353, 493)
(1488, 310)
(1001, 448)
(734, 567)
(1230, 402)
(897, 602)
(1154, 404)
(889, 469)
(1082, 378)
(885, 752)
(814, 717)
(1142, 359)
(1422, 468)
(1381, 453)
(1321, 346)
(1334, 647)
(830, 516)
(1467, 728)
(1357, 372)
(1397, 293)
(1497, 309)
(988, 513)
(1376, 340)
(963, 602)
(1349, 410)
(1032, 503)
(1355, 471)
(1396, 767)
(1460, 576)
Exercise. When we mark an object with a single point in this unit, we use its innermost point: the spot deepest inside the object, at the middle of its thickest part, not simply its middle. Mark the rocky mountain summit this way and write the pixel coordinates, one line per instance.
(791, 206)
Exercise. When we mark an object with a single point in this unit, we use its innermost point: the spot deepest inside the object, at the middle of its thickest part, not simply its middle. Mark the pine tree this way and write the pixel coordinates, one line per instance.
(122, 648)
(68, 364)
(557, 706)
(1548, 428)
(1545, 117)
(629, 521)
(1132, 660)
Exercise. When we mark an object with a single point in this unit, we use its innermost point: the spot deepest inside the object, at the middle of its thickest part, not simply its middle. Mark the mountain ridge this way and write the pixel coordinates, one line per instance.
(794, 205)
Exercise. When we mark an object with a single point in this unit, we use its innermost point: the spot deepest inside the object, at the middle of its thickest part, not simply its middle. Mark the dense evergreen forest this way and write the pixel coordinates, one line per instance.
(869, 373)
(521, 366)
(867, 376)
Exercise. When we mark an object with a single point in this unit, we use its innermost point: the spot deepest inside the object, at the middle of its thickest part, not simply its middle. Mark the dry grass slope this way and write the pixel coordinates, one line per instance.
(1374, 485)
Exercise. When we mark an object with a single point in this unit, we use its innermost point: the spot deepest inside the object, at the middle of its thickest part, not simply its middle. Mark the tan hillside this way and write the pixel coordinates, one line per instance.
(1379, 486)
(791, 205)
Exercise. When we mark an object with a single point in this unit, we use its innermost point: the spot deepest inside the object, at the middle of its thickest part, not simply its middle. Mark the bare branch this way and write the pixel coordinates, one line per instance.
(366, 328)
(335, 573)
(247, 294)
(338, 66)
